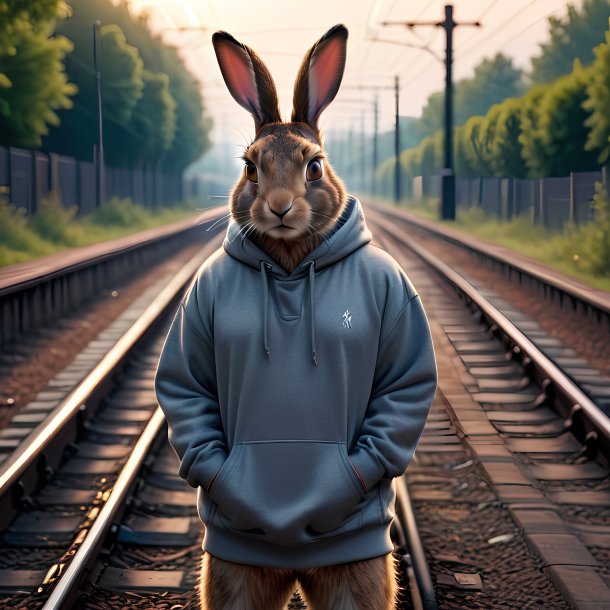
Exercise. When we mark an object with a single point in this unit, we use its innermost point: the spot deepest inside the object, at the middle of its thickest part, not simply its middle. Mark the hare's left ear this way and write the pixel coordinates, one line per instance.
(320, 76)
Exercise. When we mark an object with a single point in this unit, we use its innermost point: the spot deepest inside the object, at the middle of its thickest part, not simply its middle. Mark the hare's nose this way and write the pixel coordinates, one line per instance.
(280, 210)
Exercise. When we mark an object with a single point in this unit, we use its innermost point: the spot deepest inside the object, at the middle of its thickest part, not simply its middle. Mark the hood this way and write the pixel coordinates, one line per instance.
(349, 234)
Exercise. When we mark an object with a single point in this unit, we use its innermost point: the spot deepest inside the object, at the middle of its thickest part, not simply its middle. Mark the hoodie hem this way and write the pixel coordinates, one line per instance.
(354, 546)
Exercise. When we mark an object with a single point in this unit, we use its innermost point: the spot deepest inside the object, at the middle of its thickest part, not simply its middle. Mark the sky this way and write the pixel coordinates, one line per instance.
(282, 32)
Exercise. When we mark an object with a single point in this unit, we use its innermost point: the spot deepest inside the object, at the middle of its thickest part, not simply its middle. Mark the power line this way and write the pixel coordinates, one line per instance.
(488, 9)
(478, 43)
(531, 25)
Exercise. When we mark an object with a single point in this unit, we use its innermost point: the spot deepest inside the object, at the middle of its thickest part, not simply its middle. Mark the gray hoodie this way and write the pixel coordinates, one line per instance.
(294, 399)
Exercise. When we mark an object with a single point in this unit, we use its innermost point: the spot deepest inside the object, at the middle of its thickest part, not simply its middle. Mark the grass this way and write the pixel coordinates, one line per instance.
(54, 228)
(582, 252)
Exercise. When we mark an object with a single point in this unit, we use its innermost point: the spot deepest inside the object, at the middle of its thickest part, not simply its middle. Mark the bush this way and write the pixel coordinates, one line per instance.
(54, 223)
(118, 213)
(591, 244)
(16, 235)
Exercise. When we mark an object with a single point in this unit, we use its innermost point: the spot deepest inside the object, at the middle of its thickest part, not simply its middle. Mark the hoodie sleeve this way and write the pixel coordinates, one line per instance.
(403, 389)
(185, 384)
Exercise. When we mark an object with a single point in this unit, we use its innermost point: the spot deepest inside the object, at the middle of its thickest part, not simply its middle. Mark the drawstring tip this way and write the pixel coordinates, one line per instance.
(268, 352)
(315, 359)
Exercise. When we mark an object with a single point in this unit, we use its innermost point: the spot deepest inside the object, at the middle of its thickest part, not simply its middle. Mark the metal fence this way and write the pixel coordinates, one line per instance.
(552, 202)
(28, 176)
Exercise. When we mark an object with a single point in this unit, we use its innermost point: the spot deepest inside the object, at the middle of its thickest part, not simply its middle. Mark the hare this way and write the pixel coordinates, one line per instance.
(298, 372)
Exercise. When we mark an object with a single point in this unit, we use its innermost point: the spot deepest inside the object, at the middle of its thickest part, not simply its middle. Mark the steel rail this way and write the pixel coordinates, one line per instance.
(91, 545)
(590, 299)
(572, 397)
(406, 515)
(25, 456)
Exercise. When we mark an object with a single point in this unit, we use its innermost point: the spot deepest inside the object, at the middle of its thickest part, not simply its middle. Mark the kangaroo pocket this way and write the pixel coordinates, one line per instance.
(288, 492)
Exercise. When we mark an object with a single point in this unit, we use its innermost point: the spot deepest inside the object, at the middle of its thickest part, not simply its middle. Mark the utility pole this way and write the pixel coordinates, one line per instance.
(397, 141)
(447, 173)
(375, 88)
(100, 177)
(362, 154)
(375, 152)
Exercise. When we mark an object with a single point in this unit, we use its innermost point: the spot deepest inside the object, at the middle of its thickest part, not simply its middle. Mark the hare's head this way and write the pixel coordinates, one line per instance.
(288, 197)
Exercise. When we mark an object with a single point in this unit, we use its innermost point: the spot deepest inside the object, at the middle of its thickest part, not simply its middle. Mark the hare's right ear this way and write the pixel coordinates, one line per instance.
(247, 79)
(320, 76)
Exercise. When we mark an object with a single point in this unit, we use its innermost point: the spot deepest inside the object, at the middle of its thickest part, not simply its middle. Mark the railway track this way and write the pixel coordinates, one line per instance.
(567, 299)
(96, 481)
(39, 292)
(94, 515)
(524, 433)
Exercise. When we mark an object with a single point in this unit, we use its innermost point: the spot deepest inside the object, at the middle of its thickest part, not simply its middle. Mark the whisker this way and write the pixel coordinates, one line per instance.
(225, 217)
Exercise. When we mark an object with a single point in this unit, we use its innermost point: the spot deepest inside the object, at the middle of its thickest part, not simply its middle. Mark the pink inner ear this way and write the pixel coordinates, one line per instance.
(239, 75)
(323, 75)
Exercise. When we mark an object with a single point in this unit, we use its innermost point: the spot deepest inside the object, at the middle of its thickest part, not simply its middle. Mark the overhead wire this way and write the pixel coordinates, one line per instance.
(505, 22)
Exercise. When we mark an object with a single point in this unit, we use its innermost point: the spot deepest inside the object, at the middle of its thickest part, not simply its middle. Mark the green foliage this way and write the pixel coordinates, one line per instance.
(385, 177)
(118, 212)
(33, 84)
(122, 67)
(460, 162)
(54, 223)
(175, 107)
(558, 141)
(472, 146)
(19, 16)
(572, 37)
(499, 135)
(55, 228)
(494, 80)
(530, 138)
(598, 101)
(153, 122)
(591, 243)
(17, 236)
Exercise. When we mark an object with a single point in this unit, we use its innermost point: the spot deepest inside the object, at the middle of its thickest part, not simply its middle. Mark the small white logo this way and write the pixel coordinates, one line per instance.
(347, 319)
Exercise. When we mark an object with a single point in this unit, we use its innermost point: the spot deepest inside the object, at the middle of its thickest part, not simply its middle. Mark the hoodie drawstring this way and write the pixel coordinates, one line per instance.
(312, 312)
(264, 267)
(265, 307)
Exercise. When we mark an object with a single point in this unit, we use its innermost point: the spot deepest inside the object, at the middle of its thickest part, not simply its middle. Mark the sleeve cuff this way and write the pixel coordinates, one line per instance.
(369, 470)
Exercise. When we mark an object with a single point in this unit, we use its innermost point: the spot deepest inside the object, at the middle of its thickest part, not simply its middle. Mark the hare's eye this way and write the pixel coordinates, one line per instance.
(315, 169)
(251, 173)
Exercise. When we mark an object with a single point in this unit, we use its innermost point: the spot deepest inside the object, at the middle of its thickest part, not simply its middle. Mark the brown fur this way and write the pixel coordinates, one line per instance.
(280, 153)
(361, 585)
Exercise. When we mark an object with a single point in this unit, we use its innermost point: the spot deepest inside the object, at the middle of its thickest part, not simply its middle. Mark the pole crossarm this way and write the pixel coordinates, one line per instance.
(447, 173)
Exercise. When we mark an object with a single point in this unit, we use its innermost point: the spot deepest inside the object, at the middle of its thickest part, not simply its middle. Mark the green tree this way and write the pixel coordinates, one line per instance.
(153, 119)
(432, 116)
(598, 101)
(460, 162)
(493, 81)
(78, 131)
(571, 37)
(122, 67)
(34, 85)
(499, 136)
(530, 138)
(561, 133)
(18, 16)
(473, 147)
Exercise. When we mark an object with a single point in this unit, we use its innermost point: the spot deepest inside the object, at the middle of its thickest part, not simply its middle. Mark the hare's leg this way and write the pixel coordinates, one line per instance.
(233, 586)
(361, 585)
